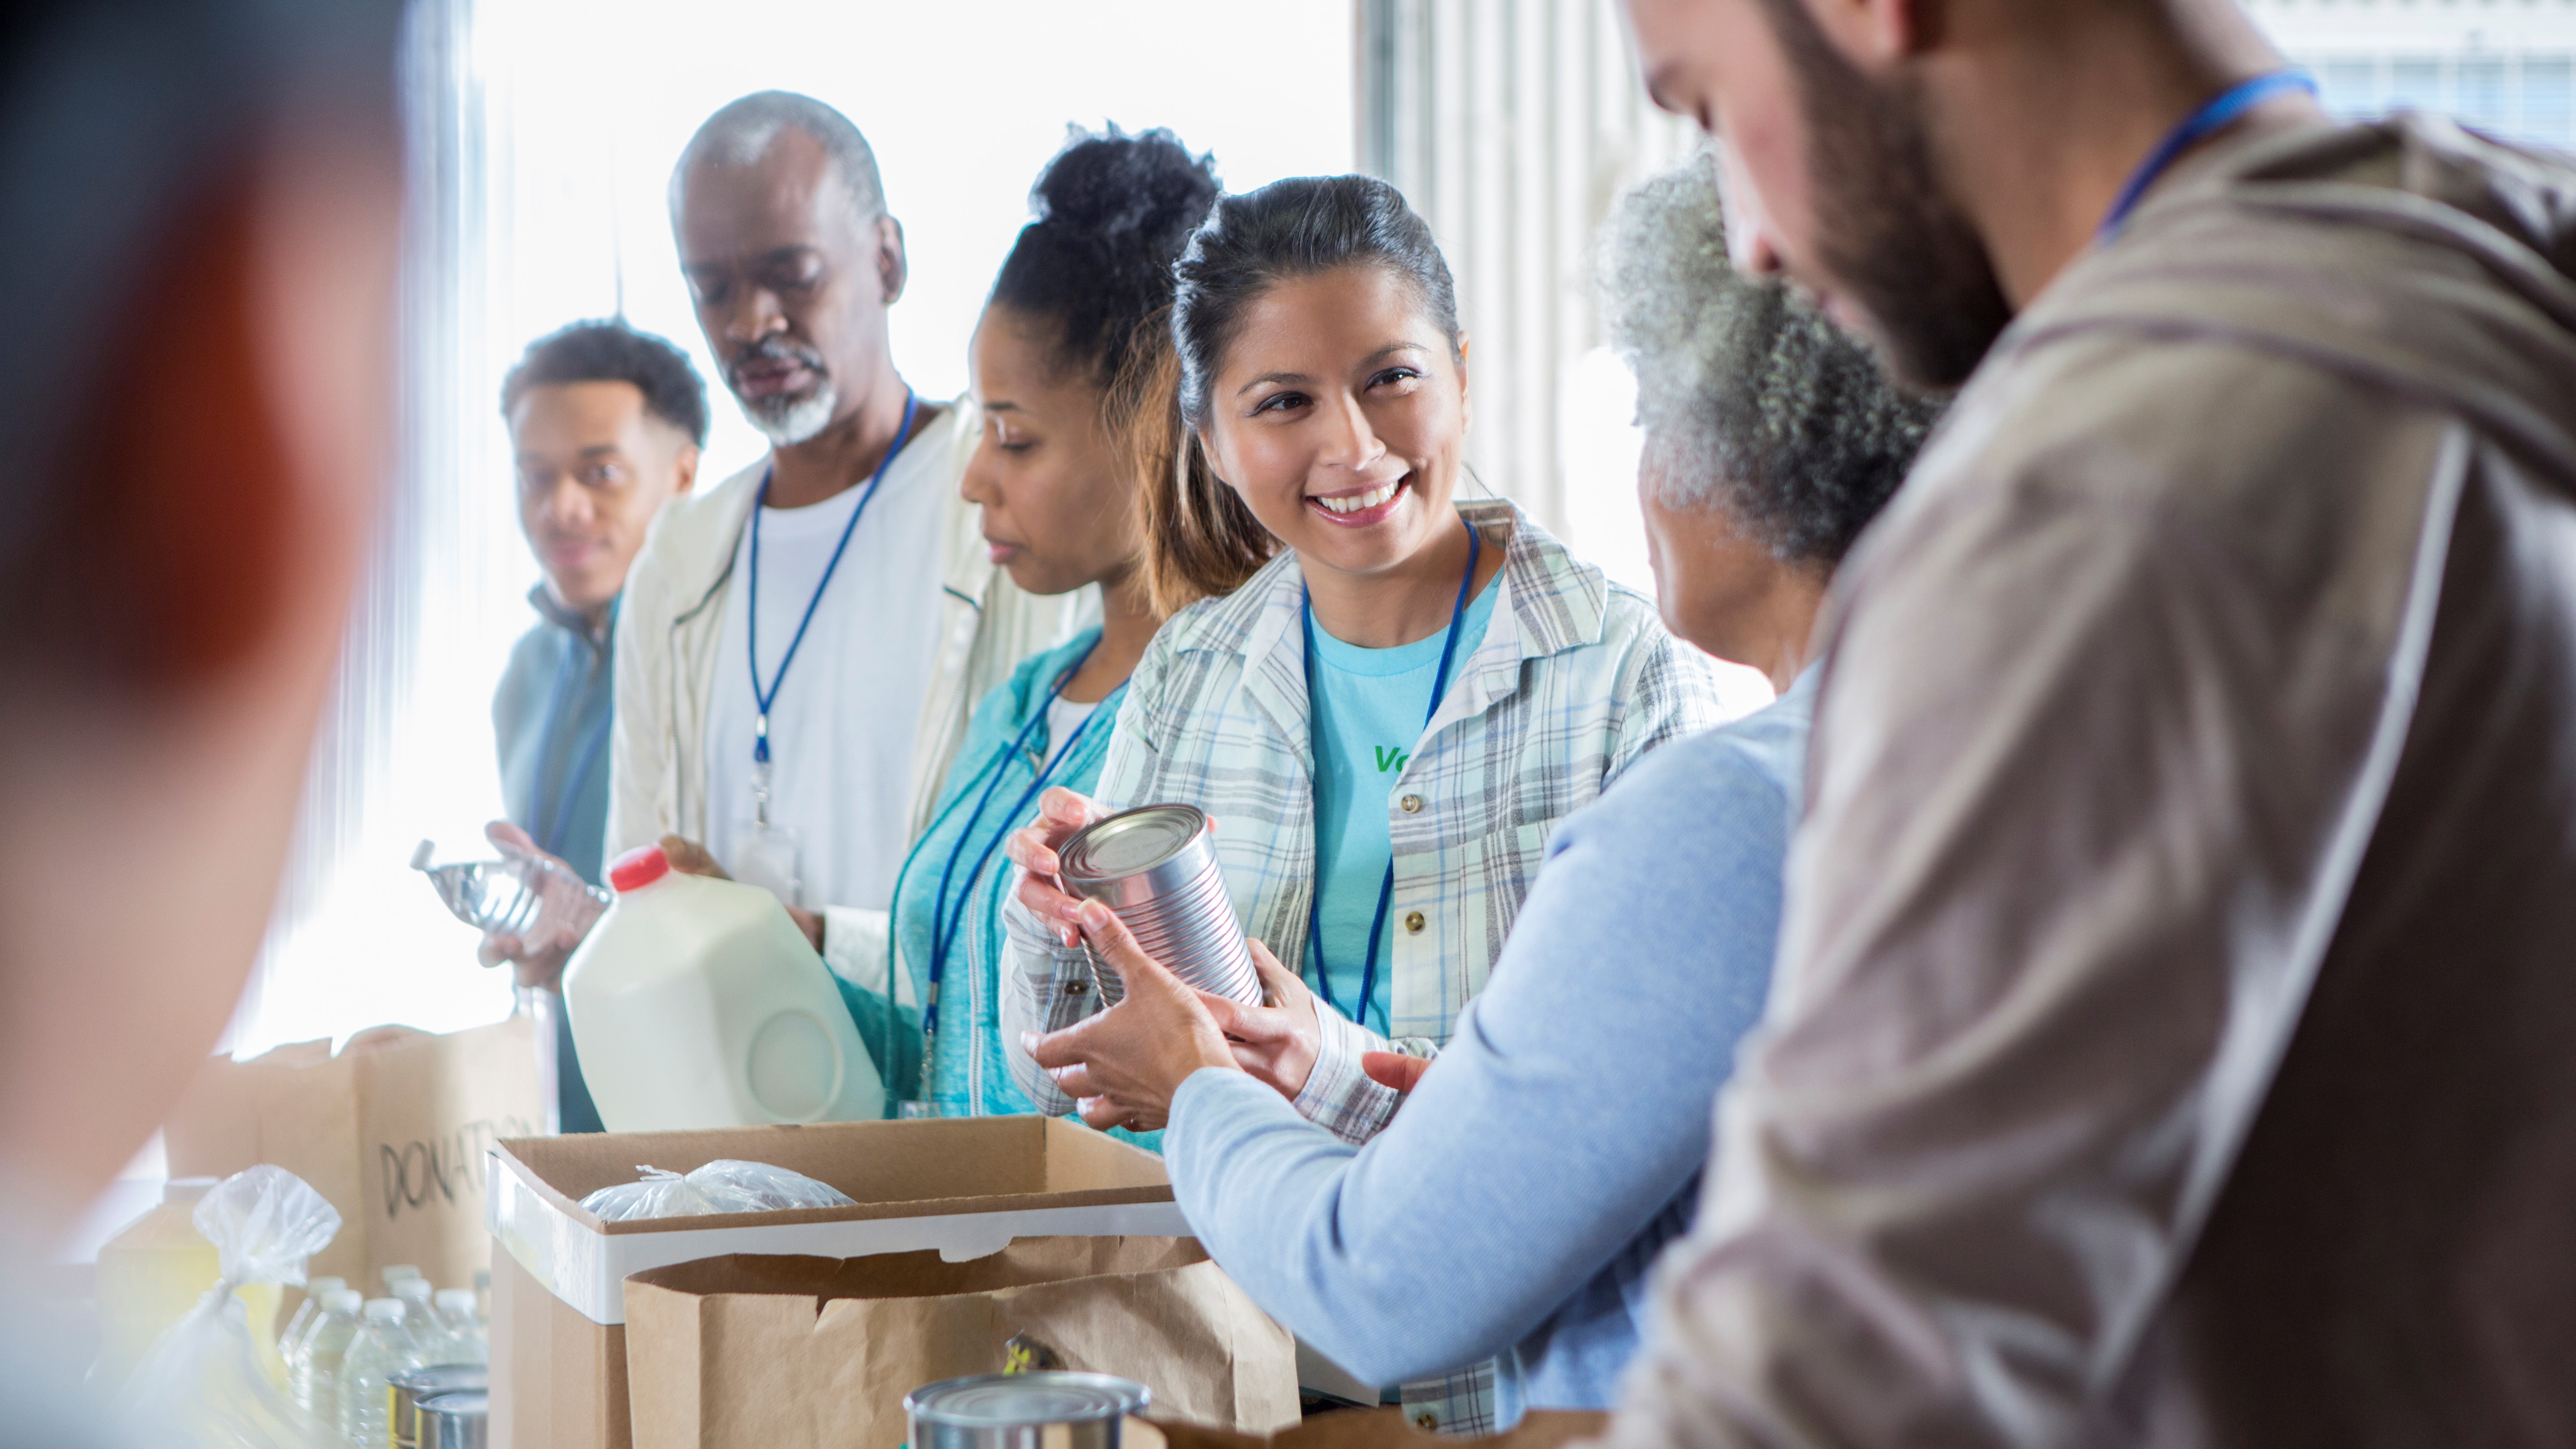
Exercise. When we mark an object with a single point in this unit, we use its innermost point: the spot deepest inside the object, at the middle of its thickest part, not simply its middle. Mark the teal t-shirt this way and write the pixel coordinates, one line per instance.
(1369, 709)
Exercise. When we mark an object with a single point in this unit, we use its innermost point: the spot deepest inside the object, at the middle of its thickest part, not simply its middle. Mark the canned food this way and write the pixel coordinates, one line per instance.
(1023, 1411)
(458, 1420)
(1155, 866)
(405, 1391)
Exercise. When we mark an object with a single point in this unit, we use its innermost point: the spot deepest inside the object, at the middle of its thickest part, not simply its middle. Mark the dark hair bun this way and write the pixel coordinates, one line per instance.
(1133, 188)
(1113, 213)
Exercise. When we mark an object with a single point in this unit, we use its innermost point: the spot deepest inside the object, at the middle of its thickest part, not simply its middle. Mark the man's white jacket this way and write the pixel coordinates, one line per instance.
(667, 631)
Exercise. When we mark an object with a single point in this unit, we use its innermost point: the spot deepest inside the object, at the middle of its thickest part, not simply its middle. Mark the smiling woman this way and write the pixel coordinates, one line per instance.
(1387, 717)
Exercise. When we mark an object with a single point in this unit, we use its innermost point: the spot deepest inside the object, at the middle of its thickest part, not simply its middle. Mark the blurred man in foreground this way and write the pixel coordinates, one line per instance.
(198, 206)
(2170, 1040)
(605, 427)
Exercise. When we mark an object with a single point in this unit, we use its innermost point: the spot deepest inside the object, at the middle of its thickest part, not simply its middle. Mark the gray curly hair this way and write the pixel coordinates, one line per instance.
(1752, 401)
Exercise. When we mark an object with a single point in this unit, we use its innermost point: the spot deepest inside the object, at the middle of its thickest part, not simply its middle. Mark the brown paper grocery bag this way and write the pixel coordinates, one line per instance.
(395, 1133)
(755, 1352)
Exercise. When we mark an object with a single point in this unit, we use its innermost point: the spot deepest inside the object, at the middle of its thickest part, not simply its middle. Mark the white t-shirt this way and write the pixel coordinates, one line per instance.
(842, 723)
(1063, 718)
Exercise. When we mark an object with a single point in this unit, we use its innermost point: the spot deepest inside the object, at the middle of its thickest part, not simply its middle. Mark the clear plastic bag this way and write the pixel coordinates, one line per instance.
(200, 1384)
(722, 1186)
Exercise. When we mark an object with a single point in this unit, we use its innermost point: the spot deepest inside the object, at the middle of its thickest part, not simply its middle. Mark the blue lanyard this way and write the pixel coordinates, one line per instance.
(943, 926)
(1386, 887)
(763, 698)
(552, 827)
(2218, 113)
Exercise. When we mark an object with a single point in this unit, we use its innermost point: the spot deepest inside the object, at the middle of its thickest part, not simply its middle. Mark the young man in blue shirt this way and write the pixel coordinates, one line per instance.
(605, 425)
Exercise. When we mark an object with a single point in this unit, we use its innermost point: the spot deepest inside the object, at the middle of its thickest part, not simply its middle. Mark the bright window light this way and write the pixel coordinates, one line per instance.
(572, 112)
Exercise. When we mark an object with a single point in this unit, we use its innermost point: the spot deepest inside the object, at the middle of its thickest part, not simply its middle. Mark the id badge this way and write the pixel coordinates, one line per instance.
(767, 855)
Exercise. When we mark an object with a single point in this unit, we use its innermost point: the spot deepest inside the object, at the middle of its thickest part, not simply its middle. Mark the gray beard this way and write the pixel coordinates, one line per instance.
(798, 421)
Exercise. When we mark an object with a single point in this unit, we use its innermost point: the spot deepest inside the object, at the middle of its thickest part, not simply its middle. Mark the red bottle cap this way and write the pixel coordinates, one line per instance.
(638, 868)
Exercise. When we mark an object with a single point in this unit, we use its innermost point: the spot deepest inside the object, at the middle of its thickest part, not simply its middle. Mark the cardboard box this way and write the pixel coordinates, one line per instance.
(963, 1187)
(396, 1133)
(818, 1353)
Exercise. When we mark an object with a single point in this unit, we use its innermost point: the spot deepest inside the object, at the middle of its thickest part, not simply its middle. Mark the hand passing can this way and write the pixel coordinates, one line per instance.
(1155, 866)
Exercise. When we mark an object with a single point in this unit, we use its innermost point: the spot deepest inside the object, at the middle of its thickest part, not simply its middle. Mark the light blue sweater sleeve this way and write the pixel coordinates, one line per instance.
(1519, 1196)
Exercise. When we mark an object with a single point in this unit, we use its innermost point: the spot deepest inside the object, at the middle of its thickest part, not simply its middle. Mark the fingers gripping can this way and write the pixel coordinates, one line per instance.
(1155, 866)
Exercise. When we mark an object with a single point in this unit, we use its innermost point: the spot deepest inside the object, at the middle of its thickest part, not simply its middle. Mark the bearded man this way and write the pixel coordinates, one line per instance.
(2170, 1040)
(799, 645)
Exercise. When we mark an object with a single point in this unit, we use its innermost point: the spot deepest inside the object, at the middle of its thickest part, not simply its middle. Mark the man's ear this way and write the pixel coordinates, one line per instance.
(685, 466)
(892, 268)
(1877, 35)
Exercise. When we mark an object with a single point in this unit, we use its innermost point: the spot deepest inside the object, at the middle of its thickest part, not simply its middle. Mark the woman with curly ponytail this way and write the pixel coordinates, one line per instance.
(1071, 367)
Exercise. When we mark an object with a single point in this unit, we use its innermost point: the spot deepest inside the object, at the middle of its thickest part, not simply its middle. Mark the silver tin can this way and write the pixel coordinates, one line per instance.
(1023, 1411)
(1156, 867)
(459, 1420)
(408, 1388)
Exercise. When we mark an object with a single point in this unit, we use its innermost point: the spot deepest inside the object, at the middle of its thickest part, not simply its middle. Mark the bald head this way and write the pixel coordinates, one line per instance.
(746, 131)
(792, 262)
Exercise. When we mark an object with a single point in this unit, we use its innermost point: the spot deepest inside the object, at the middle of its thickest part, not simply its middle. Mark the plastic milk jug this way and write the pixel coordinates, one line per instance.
(153, 1272)
(698, 1003)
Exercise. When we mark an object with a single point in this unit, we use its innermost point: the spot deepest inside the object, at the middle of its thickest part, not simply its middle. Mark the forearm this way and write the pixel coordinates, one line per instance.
(1263, 1188)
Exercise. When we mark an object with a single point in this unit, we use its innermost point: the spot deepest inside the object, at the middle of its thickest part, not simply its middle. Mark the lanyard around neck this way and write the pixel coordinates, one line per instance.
(2214, 115)
(1315, 747)
(944, 926)
(762, 698)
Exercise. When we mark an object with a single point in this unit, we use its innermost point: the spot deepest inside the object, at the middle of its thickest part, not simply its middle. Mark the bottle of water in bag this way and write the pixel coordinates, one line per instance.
(522, 895)
(383, 1348)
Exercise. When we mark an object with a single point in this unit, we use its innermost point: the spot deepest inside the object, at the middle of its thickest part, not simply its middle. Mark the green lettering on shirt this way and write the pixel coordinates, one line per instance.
(1390, 757)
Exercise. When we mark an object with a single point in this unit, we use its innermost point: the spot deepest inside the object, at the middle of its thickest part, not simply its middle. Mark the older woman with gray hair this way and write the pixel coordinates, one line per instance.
(1539, 1164)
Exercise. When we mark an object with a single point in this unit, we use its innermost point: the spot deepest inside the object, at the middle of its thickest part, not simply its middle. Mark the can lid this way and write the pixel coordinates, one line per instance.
(1003, 1400)
(1132, 841)
(445, 1378)
(462, 1404)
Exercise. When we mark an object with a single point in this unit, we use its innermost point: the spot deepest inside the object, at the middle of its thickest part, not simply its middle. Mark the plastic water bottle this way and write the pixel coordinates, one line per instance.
(313, 1376)
(522, 895)
(468, 1340)
(306, 1314)
(384, 1347)
(294, 1340)
(420, 1318)
(394, 1273)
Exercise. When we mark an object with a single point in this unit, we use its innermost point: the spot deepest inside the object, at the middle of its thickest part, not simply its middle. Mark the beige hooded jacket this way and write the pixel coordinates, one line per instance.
(2174, 1041)
(666, 660)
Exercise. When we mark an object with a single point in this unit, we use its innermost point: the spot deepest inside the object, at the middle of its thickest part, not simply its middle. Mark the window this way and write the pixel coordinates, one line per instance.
(544, 133)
